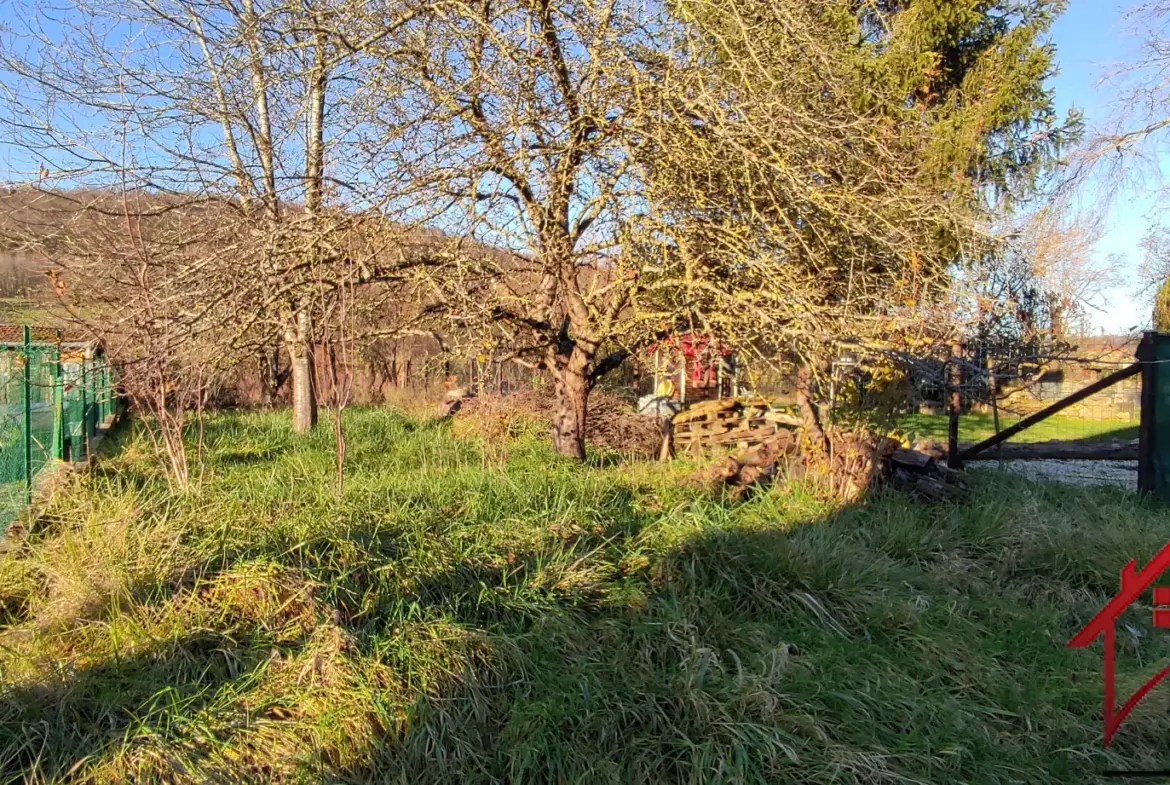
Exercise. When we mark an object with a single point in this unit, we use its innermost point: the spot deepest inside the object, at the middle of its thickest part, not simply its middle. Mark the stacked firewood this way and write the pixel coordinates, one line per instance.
(857, 464)
(921, 474)
(754, 466)
(730, 423)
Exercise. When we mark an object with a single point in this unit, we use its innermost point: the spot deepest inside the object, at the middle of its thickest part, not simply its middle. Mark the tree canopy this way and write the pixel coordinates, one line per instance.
(786, 176)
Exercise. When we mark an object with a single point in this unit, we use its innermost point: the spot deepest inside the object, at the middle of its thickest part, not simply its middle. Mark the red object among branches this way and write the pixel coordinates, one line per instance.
(700, 353)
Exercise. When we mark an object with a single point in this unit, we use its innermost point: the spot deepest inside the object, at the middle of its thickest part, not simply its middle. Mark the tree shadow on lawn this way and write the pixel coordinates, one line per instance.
(838, 648)
(246, 456)
(748, 649)
(162, 693)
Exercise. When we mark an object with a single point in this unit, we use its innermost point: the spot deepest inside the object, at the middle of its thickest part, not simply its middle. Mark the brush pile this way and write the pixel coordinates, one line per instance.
(612, 423)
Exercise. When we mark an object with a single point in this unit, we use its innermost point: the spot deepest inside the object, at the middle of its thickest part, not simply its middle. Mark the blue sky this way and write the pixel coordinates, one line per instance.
(1092, 38)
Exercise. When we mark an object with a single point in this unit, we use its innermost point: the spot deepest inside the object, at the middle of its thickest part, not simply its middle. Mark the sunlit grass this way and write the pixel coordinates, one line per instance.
(468, 612)
(975, 427)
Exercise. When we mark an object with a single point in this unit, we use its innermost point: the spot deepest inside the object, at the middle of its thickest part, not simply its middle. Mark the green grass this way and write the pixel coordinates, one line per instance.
(976, 427)
(466, 613)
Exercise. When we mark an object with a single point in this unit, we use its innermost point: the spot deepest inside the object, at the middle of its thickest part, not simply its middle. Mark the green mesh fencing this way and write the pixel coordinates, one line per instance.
(54, 395)
(12, 485)
(73, 393)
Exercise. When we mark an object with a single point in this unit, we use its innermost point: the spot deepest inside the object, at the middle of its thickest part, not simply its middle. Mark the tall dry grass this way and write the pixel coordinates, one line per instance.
(466, 615)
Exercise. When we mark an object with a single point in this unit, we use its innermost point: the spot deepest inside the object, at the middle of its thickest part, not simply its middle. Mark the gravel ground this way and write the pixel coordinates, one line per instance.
(1120, 473)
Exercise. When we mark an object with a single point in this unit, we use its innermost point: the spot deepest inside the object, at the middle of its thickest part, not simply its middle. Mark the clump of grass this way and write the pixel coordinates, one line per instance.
(462, 614)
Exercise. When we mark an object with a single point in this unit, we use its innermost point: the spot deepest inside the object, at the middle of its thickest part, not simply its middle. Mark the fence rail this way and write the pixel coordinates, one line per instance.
(54, 395)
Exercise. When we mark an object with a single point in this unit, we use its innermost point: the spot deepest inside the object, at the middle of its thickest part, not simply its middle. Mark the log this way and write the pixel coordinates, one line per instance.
(1115, 450)
(912, 459)
(934, 489)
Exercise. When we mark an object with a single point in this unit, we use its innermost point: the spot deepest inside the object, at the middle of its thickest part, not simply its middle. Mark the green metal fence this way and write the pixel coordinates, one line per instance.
(54, 395)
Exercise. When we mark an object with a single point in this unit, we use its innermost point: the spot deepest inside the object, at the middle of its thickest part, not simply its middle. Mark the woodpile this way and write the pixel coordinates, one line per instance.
(730, 423)
(740, 473)
(851, 470)
(921, 475)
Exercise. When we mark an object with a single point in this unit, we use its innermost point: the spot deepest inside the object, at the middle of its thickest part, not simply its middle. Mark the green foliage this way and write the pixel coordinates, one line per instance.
(973, 70)
(976, 71)
(1162, 307)
(459, 617)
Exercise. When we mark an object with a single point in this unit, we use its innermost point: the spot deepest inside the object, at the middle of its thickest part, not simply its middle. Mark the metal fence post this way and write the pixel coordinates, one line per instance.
(27, 399)
(105, 410)
(1147, 355)
(954, 405)
(91, 413)
(58, 406)
(98, 393)
(84, 427)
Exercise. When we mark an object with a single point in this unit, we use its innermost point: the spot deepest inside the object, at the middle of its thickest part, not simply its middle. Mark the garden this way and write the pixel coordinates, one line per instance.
(470, 610)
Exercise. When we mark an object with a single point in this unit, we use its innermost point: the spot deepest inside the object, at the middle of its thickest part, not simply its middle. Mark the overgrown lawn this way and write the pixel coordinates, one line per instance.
(469, 613)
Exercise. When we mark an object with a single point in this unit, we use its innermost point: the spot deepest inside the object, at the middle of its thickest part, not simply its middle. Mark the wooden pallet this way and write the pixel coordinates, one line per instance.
(729, 423)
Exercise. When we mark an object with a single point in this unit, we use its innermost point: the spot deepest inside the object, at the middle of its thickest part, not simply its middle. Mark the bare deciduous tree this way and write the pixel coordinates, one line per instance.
(248, 105)
(645, 185)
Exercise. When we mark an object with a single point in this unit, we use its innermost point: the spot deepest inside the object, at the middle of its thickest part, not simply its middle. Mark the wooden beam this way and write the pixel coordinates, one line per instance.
(1048, 411)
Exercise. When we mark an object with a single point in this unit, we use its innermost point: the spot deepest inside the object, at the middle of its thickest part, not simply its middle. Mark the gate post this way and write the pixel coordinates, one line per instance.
(1151, 460)
(954, 405)
(58, 404)
(82, 384)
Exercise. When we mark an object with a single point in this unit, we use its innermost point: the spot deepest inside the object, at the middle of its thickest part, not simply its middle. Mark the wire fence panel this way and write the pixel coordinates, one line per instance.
(995, 393)
(74, 407)
(41, 364)
(1074, 417)
(12, 396)
(53, 397)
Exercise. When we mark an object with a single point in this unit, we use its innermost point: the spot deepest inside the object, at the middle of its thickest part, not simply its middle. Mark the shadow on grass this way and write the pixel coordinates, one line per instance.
(831, 648)
(620, 640)
(246, 457)
(607, 459)
(58, 728)
(117, 437)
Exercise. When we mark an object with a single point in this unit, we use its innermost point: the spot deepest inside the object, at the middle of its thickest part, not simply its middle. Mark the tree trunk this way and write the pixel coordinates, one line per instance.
(304, 394)
(571, 391)
(267, 378)
(809, 415)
